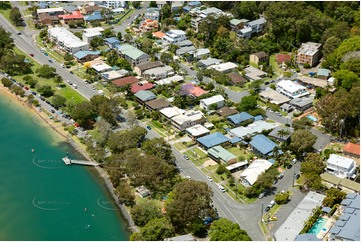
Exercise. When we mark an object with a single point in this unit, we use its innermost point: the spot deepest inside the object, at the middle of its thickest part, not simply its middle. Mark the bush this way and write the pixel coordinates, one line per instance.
(296, 114)
(221, 169)
(6, 82)
(306, 65)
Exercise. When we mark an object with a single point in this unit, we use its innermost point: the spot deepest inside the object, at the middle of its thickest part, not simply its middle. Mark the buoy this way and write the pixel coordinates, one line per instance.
(33, 150)
(85, 209)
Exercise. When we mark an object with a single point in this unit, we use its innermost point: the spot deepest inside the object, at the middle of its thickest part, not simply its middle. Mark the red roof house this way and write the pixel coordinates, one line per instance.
(190, 89)
(75, 15)
(352, 149)
(136, 87)
(125, 80)
(280, 58)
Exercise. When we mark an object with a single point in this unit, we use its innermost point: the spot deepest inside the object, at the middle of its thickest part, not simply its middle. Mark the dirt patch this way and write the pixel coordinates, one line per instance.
(209, 162)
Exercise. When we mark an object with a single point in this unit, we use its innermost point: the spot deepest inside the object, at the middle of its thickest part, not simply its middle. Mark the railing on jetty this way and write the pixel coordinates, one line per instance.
(69, 161)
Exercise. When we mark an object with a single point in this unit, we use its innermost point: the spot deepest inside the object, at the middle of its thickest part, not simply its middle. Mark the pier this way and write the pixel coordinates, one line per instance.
(69, 161)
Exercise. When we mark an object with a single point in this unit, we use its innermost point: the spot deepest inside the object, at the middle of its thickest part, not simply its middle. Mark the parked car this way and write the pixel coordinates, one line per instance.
(53, 111)
(34, 93)
(50, 61)
(71, 72)
(188, 177)
(271, 203)
(222, 189)
(148, 127)
(32, 55)
(260, 196)
(275, 181)
(46, 54)
(18, 33)
(280, 176)
(209, 178)
(186, 157)
(26, 88)
(289, 166)
(294, 161)
(298, 176)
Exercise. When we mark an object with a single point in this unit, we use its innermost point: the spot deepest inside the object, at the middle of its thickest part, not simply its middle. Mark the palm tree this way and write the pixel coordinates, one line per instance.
(282, 133)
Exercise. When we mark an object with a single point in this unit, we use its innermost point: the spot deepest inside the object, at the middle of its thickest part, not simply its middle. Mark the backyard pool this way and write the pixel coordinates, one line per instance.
(316, 228)
(312, 118)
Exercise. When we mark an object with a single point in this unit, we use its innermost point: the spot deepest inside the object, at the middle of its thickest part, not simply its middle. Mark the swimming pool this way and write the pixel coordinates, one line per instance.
(316, 228)
(312, 118)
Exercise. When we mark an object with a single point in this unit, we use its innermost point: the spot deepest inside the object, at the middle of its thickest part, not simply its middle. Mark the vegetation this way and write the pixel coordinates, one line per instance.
(302, 141)
(145, 211)
(311, 169)
(225, 230)
(282, 197)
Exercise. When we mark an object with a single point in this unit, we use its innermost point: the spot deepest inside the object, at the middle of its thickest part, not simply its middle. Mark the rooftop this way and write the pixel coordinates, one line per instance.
(188, 116)
(145, 95)
(158, 103)
(280, 58)
(257, 22)
(340, 161)
(290, 86)
(254, 170)
(352, 148)
(263, 144)
(172, 111)
(223, 66)
(213, 99)
(275, 132)
(226, 111)
(238, 118)
(309, 48)
(49, 10)
(260, 54)
(254, 73)
(301, 102)
(169, 80)
(159, 34)
(101, 67)
(323, 72)
(236, 78)
(112, 40)
(210, 62)
(273, 96)
(197, 130)
(125, 81)
(196, 91)
(312, 81)
(136, 87)
(73, 15)
(81, 54)
(219, 152)
(149, 65)
(251, 129)
(158, 71)
(212, 140)
(130, 51)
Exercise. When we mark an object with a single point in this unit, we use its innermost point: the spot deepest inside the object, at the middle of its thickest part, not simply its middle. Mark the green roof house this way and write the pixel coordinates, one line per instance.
(133, 55)
(144, 96)
(220, 154)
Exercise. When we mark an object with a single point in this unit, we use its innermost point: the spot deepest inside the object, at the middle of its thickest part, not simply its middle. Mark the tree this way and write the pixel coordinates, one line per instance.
(165, 12)
(158, 147)
(345, 78)
(96, 42)
(68, 57)
(190, 200)
(131, 119)
(83, 113)
(247, 103)
(313, 164)
(166, 57)
(58, 101)
(156, 230)
(224, 229)
(303, 123)
(6, 82)
(46, 71)
(15, 16)
(104, 129)
(136, 4)
(119, 35)
(333, 196)
(29, 80)
(125, 194)
(13, 63)
(108, 32)
(145, 211)
(126, 139)
(200, 76)
(302, 141)
(282, 198)
(45, 90)
(331, 44)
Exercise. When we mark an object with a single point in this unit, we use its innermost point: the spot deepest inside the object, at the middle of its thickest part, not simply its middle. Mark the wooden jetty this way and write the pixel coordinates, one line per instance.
(69, 161)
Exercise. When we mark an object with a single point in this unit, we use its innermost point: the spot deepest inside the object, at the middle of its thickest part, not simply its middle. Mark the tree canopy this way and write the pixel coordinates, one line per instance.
(225, 230)
(302, 141)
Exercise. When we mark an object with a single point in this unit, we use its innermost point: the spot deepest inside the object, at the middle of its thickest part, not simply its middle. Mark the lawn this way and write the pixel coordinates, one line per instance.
(237, 152)
(193, 158)
(273, 63)
(235, 88)
(52, 53)
(6, 14)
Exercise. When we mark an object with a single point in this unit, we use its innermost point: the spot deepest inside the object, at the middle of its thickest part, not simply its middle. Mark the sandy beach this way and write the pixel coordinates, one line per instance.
(42, 118)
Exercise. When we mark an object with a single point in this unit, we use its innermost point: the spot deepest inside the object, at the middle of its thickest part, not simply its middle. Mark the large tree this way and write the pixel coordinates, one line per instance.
(83, 113)
(145, 211)
(158, 147)
(226, 230)
(247, 103)
(46, 71)
(302, 141)
(15, 16)
(155, 230)
(126, 139)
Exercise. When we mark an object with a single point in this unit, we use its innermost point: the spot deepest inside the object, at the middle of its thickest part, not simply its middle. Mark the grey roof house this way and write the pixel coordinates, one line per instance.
(144, 96)
(133, 55)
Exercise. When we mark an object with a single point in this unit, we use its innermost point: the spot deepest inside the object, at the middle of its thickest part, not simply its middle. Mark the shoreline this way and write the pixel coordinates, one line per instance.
(59, 129)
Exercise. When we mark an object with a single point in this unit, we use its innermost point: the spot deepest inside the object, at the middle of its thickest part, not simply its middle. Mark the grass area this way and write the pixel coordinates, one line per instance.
(200, 153)
(214, 117)
(129, 103)
(235, 88)
(130, 12)
(236, 151)
(6, 14)
(28, 16)
(273, 63)
(95, 133)
(193, 158)
(80, 72)
(52, 53)
(160, 131)
(179, 146)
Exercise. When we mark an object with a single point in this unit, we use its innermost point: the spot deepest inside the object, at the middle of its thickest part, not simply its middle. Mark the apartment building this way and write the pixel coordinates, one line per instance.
(188, 119)
(291, 89)
(309, 52)
(341, 166)
(66, 40)
(174, 36)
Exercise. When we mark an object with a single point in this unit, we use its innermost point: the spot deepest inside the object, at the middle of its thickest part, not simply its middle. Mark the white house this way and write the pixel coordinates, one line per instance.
(291, 89)
(197, 131)
(224, 67)
(341, 166)
(208, 103)
(188, 119)
(90, 33)
(171, 112)
(174, 36)
(66, 40)
(249, 176)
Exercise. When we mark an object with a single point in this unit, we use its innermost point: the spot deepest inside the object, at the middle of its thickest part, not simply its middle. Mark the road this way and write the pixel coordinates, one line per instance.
(236, 97)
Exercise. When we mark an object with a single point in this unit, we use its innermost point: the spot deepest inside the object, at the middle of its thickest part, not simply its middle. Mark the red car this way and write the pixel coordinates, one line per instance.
(26, 88)
(32, 55)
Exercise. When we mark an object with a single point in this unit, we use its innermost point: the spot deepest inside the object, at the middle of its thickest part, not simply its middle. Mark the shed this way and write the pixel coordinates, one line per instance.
(143, 191)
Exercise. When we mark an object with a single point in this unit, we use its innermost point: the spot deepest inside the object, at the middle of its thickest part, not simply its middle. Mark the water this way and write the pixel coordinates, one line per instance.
(40, 197)
(316, 228)
(312, 118)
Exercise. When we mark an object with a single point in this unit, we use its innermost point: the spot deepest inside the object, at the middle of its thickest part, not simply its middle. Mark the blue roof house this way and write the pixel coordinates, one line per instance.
(211, 140)
(263, 146)
(95, 16)
(238, 119)
(112, 42)
(86, 55)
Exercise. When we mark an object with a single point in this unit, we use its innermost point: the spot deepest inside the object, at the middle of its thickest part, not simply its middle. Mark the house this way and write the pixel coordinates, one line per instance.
(245, 33)
(90, 33)
(257, 25)
(211, 140)
(174, 36)
(258, 57)
(121, 82)
(281, 134)
(188, 119)
(101, 67)
(237, 24)
(51, 11)
(286, 107)
(272, 96)
(152, 13)
(141, 68)
(344, 184)
(42, 5)
(282, 58)
(112, 42)
(352, 150)
(47, 19)
(254, 128)
(210, 103)
(184, 43)
(201, 53)
(95, 16)
(323, 73)
(86, 55)
(347, 227)
(341, 166)
(208, 62)
(237, 166)
(194, 4)
(250, 175)
(291, 89)
(311, 82)
(186, 50)
(133, 55)
(69, 9)
(171, 112)
(158, 73)
(295, 222)
(115, 4)
(211, 11)
(66, 40)
(157, 104)
(263, 146)
(144, 96)
(118, 10)
(142, 191)
(136, 87)
(254, 74)
(74, 17)
(176, 5)
(226, 111)
(149, 25)
(224, 67)
(242, 118)
(158, 34)
(190, 89)
(236, 79)
(301, 104)
(90, 9)
(220, 154)
(309, 52)
(112, 75)
(161, 4)
(197, 131)
(169, 80)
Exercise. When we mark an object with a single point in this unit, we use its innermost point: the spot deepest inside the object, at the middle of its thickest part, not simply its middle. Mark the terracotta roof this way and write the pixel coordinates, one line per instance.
(280, 58)
(44, 16)
(189, 88)
(158, 104)
(125, 80)
(136, 87)
(159, 34)
(226, 111)
(73, 15)
(236, 78)
(352, 148)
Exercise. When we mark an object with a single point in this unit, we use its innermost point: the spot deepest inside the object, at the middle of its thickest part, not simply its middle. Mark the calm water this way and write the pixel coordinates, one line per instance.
(40, 197)
(316, 228)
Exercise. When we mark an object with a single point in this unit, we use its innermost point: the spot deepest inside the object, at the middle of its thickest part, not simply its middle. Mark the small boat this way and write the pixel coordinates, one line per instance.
(33, 150)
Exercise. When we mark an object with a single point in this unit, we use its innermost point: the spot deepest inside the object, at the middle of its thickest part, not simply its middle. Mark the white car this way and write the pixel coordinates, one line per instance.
(188, 177)
(209, 178)
(222, 189)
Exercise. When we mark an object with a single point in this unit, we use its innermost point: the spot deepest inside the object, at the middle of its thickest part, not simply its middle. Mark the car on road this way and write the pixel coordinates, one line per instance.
(271, 203)
(188, 177)
(209, 178)
(53, 111)
(260, 196)
(46, 54)
(75, 86)
(32, 55)
(18, 33)
(148, 127)
(71, 72)
(298, 176)
(50, 61)
(289, 166)
(294, 161)
(267, 209)
(280, 176)
(275, 181)
(26, 88)
(42, 98)
(179, 169)
(186, 157)
(34, 93)
(222, 188)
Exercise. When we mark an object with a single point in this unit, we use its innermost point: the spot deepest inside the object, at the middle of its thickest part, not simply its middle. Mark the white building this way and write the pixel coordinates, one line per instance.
(115, 4)
(174, 36)
(207, 103)
(188, 119)
(197, 131)
(341, 166)
(101, 67)
(66, 40)
(249, 176)
(171, 112)
(224, 67)
(291, 89)
(91, 33)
